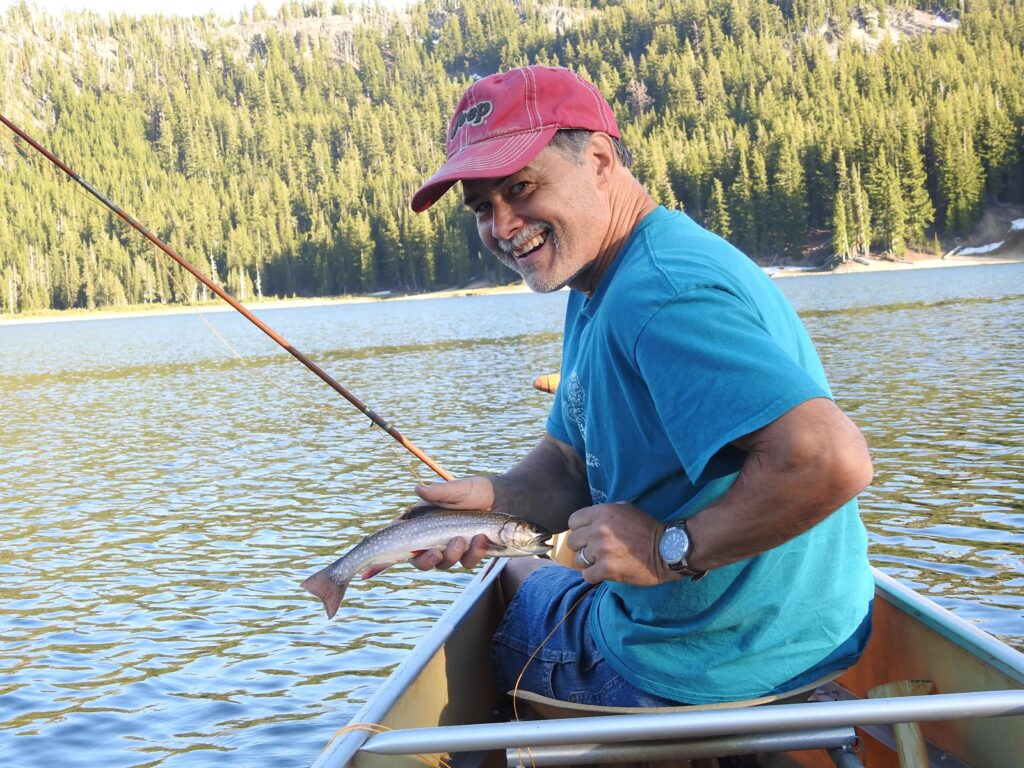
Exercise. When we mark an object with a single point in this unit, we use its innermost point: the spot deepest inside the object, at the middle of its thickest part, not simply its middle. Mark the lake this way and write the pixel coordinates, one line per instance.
(162, 496)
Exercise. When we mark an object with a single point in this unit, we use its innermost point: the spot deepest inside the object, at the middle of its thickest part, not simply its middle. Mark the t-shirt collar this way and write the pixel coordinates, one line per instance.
(591, 304)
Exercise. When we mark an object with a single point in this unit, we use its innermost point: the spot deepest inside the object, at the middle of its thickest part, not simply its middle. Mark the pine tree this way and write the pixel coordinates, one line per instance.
(741, 203)
(717, 219)
(789, 207)
(287, 152)
(890, 215)
(861, 210)
(841, 246)
(919, 212)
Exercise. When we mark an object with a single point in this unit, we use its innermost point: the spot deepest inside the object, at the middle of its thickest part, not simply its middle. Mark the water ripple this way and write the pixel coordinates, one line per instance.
(162, 503)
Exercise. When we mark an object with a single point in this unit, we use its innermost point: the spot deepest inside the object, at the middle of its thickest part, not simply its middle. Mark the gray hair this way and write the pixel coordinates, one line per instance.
(570, 143)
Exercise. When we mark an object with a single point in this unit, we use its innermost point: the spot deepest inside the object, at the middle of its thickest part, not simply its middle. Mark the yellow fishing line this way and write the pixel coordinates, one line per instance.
(515, 688)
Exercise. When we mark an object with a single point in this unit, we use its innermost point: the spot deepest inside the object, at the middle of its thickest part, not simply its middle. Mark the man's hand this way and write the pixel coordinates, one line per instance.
(545, 487)
(621, 541)
(471, 493)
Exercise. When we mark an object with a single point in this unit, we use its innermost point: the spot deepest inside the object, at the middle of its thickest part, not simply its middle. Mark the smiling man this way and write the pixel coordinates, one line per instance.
(693, 451)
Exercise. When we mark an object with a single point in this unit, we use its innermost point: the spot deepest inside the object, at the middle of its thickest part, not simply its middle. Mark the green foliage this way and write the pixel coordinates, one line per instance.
(279, 153)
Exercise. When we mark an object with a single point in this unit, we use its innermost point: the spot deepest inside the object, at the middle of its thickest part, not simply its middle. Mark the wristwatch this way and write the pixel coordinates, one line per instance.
(674, 548)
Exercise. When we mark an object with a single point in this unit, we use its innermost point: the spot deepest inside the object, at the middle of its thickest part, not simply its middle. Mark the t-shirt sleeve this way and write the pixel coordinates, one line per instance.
(715, 374)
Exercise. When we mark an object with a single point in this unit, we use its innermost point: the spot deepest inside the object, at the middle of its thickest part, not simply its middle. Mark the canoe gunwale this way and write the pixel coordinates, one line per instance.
(341, 750)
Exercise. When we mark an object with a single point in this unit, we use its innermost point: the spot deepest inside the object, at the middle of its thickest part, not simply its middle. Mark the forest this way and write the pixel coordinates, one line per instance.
(279, 151)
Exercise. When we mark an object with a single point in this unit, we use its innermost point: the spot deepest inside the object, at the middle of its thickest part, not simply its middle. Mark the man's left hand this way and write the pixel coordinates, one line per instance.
(621, 541)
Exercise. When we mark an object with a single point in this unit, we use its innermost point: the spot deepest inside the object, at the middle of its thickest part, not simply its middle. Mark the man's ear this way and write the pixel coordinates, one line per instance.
(602, 157)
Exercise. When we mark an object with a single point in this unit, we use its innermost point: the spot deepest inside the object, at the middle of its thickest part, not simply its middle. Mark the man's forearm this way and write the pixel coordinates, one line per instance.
(799, 470)
(545, 487)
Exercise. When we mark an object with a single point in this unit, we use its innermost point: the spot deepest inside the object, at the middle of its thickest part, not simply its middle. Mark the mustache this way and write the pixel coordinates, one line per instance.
(521, 238)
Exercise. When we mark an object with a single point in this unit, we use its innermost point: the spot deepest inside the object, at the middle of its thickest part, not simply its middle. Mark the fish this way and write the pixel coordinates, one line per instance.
(420, 528)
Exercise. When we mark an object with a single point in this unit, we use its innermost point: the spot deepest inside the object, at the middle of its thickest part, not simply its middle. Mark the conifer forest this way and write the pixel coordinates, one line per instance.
(278, 152)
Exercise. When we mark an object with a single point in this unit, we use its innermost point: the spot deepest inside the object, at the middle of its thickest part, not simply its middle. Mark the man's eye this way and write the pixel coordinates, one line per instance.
(481, 208)
(517, 189)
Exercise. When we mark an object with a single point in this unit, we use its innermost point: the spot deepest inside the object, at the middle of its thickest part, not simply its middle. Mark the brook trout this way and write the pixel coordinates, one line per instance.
(422, 528)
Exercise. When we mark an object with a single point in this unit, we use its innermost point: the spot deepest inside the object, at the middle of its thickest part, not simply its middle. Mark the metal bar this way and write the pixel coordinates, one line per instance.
(966, 635)
(677, 725)
(601, 754)
(338, 752)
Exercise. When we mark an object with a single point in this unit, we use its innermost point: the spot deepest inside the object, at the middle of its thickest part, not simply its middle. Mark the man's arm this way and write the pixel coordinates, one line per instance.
(545, 487)
(799, 469)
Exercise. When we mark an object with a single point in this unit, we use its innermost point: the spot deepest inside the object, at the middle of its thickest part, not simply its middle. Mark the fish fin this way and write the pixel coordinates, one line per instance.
(417, 510)
(329, 591)
(373, 570)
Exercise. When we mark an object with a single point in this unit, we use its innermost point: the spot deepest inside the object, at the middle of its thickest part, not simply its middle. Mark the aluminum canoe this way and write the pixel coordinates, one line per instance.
(960, 688)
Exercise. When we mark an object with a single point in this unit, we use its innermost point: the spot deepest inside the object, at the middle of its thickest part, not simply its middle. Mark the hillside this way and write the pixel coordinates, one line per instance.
(280, 152)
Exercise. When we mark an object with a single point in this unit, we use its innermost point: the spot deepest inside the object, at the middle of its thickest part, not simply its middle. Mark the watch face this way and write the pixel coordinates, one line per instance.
(674, 545)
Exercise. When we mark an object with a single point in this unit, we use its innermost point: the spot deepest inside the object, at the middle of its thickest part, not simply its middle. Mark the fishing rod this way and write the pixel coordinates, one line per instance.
(326, 377)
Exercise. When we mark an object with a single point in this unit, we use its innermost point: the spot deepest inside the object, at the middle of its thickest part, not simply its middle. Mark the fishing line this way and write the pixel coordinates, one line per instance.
(515, 688)
(277, 338)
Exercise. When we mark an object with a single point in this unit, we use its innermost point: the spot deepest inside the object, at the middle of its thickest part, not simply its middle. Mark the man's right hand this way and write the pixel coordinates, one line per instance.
(470, 493)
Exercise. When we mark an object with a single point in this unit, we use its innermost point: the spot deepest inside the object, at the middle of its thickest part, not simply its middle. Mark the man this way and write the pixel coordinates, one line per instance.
(693, 451)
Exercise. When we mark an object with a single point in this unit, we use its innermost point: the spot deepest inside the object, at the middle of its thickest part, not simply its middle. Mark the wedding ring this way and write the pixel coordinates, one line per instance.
(581, 559)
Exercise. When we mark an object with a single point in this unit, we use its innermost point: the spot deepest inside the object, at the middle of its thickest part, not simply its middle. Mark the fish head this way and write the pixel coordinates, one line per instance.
(521, 537)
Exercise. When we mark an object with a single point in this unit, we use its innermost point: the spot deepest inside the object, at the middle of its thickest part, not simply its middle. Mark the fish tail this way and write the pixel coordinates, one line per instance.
(329, 591)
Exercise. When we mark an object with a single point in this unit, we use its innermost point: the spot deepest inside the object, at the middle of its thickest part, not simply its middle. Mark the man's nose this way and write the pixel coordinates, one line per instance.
(504, 221)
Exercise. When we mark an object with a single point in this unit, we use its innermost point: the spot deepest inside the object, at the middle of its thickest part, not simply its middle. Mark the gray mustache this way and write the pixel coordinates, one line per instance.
(507, 246)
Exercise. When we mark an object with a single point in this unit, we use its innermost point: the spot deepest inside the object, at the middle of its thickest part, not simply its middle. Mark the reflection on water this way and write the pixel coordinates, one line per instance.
(162, 500)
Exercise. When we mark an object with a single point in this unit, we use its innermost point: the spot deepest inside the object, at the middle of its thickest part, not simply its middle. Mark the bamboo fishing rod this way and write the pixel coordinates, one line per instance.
(326, 377)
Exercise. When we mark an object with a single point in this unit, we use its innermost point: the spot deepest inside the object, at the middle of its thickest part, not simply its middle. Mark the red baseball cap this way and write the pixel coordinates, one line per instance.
(503, 121)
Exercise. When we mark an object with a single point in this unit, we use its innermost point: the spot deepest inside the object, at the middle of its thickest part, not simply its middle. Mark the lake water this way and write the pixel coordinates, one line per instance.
(161, 498)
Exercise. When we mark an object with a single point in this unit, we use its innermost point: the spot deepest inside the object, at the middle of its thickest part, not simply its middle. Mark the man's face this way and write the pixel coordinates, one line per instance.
(547, 222)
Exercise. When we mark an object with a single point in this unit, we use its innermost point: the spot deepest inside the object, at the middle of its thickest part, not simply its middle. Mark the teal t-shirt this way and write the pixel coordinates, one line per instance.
(685, 346)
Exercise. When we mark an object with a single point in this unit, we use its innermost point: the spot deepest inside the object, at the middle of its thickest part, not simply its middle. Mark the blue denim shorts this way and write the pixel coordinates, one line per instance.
(569, 666)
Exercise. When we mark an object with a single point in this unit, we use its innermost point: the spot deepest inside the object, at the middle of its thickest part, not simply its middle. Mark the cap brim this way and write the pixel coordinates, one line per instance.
(491, 159)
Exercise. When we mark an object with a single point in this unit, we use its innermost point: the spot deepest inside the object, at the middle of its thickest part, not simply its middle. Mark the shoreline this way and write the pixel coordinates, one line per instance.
(219, 306)
(117, 313)
(927, 262)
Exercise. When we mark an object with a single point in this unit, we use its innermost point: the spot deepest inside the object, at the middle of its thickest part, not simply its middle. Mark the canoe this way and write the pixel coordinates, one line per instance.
(930, 690)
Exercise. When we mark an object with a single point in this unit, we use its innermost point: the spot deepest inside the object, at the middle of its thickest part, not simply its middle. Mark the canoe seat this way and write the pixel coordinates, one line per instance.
(699, 753)
(548, 708)
(731, 751)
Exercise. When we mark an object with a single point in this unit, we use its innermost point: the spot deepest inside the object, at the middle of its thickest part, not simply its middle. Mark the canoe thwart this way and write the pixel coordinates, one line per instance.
(707, 723)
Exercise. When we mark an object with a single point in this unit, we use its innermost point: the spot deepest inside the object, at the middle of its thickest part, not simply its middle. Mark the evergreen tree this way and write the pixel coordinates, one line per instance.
(285, 155)
(789, 203)
(841, 241)
(861, 213)
(718, 211)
